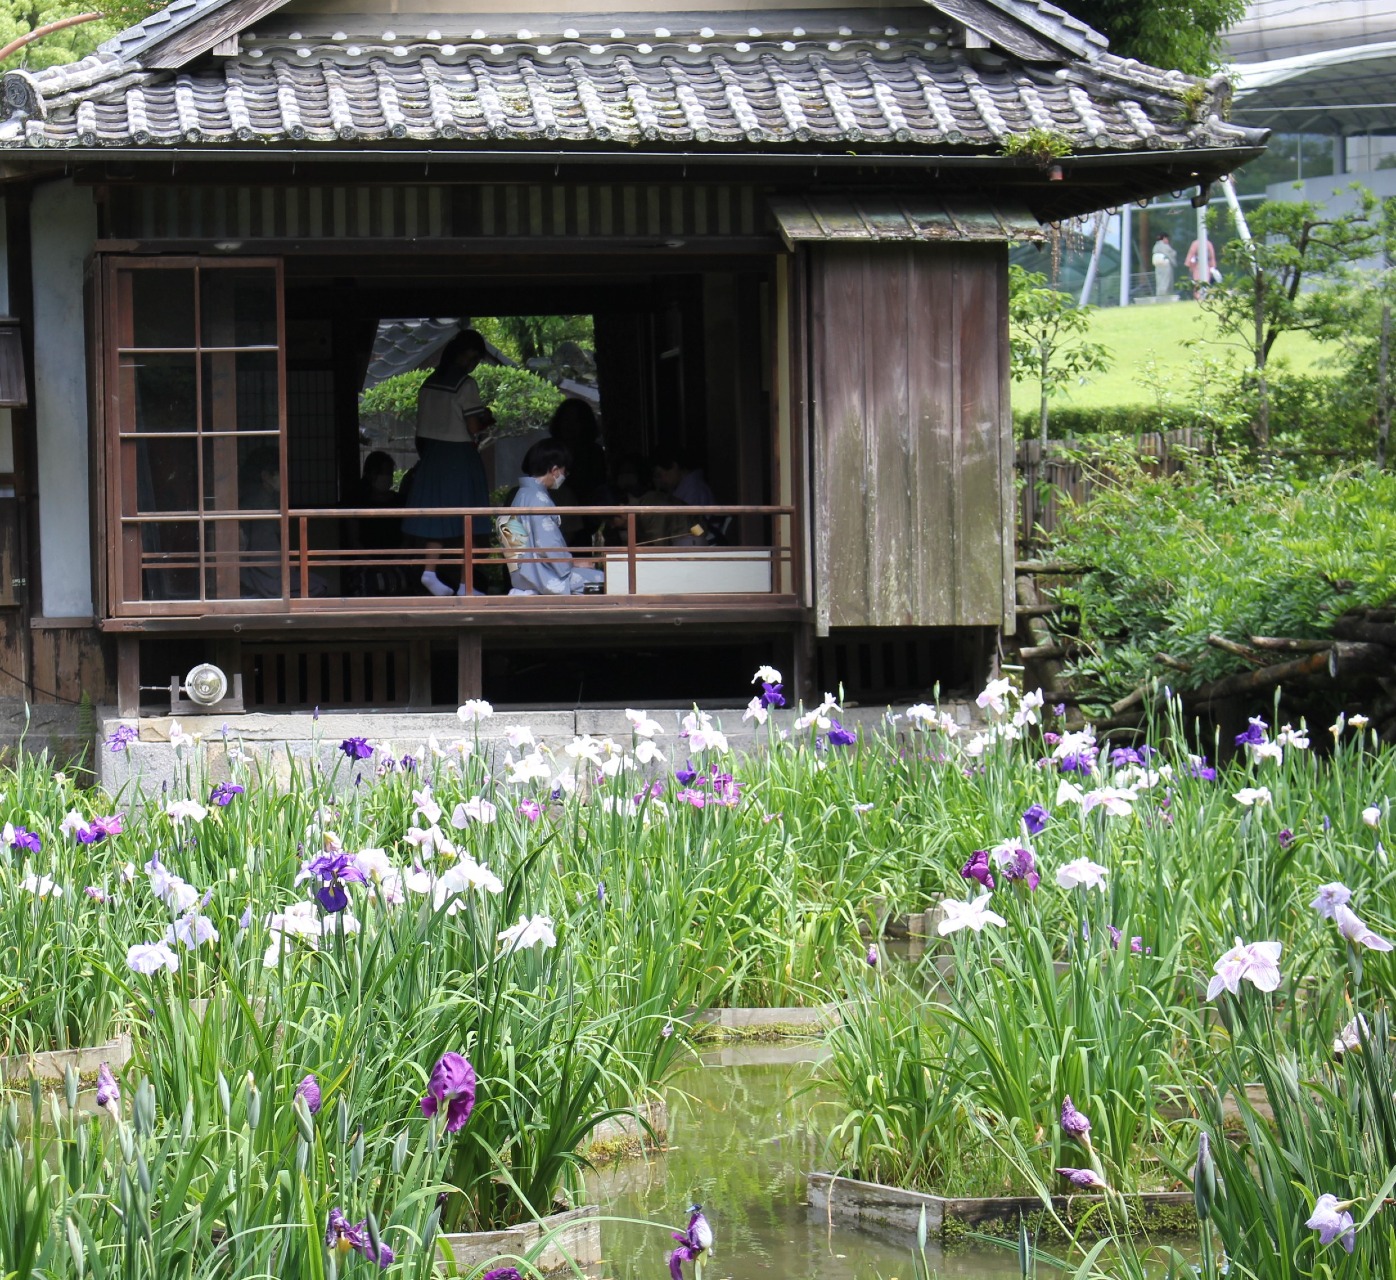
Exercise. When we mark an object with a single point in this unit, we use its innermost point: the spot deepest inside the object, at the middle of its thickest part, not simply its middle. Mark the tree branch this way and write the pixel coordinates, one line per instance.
(47, 29)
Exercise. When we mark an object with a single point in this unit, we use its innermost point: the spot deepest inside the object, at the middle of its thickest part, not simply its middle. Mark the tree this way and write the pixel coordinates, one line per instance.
(1292, 245)
(1047, 333)
(1178, 35)
(21, 19)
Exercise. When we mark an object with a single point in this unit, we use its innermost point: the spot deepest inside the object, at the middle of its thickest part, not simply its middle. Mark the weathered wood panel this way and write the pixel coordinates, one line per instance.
(911, 435)
(69, 662)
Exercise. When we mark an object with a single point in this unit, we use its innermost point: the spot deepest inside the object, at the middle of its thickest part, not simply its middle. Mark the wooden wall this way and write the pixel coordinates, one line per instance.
(912, 437)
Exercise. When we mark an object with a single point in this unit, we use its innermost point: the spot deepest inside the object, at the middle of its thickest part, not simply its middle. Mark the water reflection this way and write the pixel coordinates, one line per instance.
(742, 1134)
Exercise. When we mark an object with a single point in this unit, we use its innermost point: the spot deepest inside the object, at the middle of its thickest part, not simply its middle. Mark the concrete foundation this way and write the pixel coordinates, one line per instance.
(149, 763)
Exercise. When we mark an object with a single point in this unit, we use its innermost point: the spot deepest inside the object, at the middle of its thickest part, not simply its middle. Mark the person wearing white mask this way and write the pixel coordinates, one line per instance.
(540, 561)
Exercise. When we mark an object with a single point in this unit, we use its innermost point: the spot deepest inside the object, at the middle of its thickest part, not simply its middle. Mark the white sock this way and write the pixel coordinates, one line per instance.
(434, 584)
(463, 590)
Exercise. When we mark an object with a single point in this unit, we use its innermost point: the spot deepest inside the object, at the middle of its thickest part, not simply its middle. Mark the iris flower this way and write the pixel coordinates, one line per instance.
(150, 957)
(1081, 873)
(1074, 1123)
(1357, 932)
(1035, 818)
(1333, 1222)
(529, 932)
(222, 795)
(1257, 962)
(977, 868)
(356, 748)
(841, 737)
(502, 1273)
(343, 1238)
(872, 957)
(309, 1089)
(1330, 897)
(21, 839)
(333, 870)
(692, 1241)
(452, 1086)
(1083, 1178)
(122, 736)
(474, 710)
(967, 915)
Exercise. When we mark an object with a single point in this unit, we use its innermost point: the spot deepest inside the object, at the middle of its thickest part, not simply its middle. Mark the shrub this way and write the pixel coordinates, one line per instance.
(521, 401)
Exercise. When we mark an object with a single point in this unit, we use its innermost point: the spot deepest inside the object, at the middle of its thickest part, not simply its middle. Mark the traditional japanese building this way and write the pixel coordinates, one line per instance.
(789, 224)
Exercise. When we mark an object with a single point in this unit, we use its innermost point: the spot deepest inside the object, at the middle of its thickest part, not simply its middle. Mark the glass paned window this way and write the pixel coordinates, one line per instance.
(196, 433)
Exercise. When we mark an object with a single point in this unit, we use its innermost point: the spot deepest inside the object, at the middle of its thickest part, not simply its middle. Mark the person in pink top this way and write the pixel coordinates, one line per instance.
(1202, 272)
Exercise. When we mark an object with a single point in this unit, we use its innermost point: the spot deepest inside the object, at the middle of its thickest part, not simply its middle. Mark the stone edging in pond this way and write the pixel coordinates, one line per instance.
(950, 1219)
(572, 1236)
(624, 1137)
(765, 1024)
(52, 1065)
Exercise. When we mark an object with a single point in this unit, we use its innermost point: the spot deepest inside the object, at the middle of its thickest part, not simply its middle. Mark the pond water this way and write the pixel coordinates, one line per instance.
(744, 1128)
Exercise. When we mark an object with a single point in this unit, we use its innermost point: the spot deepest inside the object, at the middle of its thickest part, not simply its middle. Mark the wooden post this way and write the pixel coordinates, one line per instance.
(128, 676)
(630, 548)
(419, 673)
(469, 676)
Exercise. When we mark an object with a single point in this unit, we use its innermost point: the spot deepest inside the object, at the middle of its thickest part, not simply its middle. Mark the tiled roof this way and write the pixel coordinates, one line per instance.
(790, 81)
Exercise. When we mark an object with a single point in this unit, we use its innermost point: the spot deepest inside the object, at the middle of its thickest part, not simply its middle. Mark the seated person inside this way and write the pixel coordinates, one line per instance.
(539, 560)
(686, 486)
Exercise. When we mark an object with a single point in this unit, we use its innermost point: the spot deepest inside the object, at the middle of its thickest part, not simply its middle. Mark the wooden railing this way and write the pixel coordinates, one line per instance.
(323, 557)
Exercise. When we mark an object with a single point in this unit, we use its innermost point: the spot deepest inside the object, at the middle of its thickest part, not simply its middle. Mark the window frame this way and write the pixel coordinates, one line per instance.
(123, 552)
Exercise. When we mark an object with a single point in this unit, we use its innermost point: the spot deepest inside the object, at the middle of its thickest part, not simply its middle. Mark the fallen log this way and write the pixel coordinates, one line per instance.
(1350, 628)
(1059, 568)
(1289, 644)
(1239, 650)
(1177, 664)
(1341, 660)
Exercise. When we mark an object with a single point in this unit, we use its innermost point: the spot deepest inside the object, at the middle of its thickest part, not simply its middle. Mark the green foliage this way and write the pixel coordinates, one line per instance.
(1041, 146)
(527, 338)
(1047, 332)
(521, 401)
(1178, 35)
(1215, 549)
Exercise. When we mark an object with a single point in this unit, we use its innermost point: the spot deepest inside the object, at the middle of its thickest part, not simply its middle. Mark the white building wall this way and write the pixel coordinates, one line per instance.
(64, 220)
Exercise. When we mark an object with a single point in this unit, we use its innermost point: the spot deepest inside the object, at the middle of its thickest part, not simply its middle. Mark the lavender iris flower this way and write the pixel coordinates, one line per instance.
(25, 840)
(1333, 1222)
(841, 737)
(872, 957)
(452, 1083)
(693, 1240)
(121, 736)
(222, 795)
(342, 1238)
(1035, 819)
(772, 694)
(356, 748)
(108, 1091)
(1074, 1124)
(977, 868)
(99, 829)
(530, 810)
(1121, 757)
(333, 870)
(309, 1089)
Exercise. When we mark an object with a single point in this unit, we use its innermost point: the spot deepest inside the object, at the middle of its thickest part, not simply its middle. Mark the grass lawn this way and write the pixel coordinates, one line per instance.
(1133, 333)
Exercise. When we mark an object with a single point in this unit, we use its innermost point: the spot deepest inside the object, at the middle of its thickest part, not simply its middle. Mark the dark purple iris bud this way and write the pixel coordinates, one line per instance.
(223, 794)
(356, 748)
(1035, 818)
(772, 695)
(452, 1085)
(1083, 1177)
(121, 737)
(686, 776)
(1074, 1124)
(108, 1091)
(334, 870)
(977, 868)
(841, 737)
(1022, 866)
(601, 893)
(1286, 838)
(309, 1089)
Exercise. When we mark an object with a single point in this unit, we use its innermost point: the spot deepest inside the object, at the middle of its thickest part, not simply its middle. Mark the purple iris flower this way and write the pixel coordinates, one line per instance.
(1286, 838)
(26, 840)
(1035, 819)
(601, 893)
(502, 1273)
(872, 957)
(222, 795)
(1082, 762)
(977, 868)
(1021, 866)
(1074, 1124)
(772, 695)
(408, 764)
(1253, 736)
(1201, 769)
(693, 1240)
(685, 777)
(841, 737)
(342, 1237)
(1082, 1177)
(1123, 756)
(356, 748)
(121, 736)
(530, 809)
(100, 829)
(108, 1091)
(309, 1089)
(333, 870)
(452, 1083)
